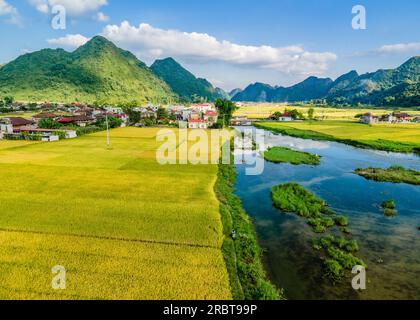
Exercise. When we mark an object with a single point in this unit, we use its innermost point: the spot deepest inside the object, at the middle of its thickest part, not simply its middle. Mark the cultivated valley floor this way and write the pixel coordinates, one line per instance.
(123, 226)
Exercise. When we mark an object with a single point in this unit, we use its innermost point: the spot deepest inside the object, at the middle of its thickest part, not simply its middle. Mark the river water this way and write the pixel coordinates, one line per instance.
(389, 246)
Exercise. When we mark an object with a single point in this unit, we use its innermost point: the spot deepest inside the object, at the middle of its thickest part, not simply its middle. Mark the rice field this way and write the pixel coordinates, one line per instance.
(123, 226)
(356, 131)
(264, 110)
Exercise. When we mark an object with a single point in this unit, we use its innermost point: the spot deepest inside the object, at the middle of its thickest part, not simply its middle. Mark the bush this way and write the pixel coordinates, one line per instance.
(341, 221)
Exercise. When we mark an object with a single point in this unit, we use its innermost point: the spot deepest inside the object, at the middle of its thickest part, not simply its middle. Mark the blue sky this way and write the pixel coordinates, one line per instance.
(232, 42)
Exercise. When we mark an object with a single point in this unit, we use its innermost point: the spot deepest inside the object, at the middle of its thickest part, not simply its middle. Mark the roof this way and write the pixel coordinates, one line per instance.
(211, 113)
(401, 115)
(197, 120)
(19, 121)
(201, 105)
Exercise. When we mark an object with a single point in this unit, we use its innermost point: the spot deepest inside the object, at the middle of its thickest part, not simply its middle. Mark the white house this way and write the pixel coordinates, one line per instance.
(198, 124)
(369, 118)
(203, 107)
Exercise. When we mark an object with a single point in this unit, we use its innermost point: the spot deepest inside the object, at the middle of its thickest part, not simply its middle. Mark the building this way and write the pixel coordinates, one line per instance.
(285, 117)
(17, 123)
(369, 118)
(211, 117)
(402, 117)
(240, 121)
(198, 124)
(203, 107)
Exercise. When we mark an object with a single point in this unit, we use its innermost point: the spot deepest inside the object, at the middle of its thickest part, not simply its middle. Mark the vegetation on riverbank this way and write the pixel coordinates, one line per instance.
(286, 155)
(338, 252)
(242, 255)
(395, 174)
(391, 138)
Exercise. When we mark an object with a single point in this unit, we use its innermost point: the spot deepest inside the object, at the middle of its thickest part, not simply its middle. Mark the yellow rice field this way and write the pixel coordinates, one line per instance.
(264, 110)
(123, 226)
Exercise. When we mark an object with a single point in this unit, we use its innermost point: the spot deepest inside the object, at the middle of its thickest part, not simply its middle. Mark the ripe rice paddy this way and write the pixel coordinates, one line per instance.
(123, 226)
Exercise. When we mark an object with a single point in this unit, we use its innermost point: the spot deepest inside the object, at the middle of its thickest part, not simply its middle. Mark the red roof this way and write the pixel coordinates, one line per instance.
(201, 105)
(211, 113)
(197, 120)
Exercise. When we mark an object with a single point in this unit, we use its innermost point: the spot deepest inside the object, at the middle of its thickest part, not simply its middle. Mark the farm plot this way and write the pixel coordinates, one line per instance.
(123, 226)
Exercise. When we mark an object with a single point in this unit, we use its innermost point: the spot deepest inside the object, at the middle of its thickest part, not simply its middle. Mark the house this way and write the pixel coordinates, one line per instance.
(240, 121)
(18, 122)
(148, 113)
(47, 133)
(195, 115)
(202, 107)
(185, 114)
(45, 115)
(198, 124)
(285, 117)
(81, 121)
(5, 126)
(402, 117)
(211, 116)
(369, 118)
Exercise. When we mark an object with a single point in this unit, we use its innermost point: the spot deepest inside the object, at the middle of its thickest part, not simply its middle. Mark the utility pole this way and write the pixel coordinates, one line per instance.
(108, 143)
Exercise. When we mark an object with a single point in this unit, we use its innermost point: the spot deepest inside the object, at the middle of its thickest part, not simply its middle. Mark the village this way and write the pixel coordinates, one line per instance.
(53, 122)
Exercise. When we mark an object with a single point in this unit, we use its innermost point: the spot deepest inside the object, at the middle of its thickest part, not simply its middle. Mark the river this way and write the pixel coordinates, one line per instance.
(389, 246)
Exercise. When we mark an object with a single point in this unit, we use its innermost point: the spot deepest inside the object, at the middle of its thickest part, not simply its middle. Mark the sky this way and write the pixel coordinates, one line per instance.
(232, 43)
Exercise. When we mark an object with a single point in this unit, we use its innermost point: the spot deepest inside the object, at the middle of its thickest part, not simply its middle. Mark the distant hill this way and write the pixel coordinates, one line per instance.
(384, 87)
(97, 71)
(234, 92)
(184, 83)
(311, 88)
(399, 87)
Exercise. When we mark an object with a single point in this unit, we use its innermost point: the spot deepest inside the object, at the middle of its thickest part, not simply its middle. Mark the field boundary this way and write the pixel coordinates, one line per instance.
(167, 243)
(242, 256)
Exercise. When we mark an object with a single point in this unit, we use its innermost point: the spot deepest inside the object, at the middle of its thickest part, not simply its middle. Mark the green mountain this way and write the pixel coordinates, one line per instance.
(183, 82)
(97, 71)
(234, 92)
(393, 87)
(257, 92)
(311, 88)
(384, 87)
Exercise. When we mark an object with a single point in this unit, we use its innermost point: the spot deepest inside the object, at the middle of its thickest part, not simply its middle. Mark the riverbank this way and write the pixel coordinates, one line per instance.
(351, 133)
(243, 256)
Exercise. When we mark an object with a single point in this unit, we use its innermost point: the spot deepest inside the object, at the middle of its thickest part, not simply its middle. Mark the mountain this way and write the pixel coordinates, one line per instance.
(183, 82)
(393, 87)
(383, 87)
(258, 92)
(97, 71)
(222, 93)
(311, 88)
(234, 92)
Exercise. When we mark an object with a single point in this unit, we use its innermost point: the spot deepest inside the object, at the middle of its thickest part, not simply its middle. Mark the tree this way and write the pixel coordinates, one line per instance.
(311, 113)
(8, 100)
(226, 108)
(48, 124)
(162, 113)
(112, 122)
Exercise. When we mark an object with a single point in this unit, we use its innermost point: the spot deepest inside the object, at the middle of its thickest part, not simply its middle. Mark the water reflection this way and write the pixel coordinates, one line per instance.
(390, 246)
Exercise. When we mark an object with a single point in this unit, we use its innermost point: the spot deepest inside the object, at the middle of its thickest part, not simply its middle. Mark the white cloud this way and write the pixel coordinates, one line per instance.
(150, 42)
(73, 7)
(400, 48)
(70, 41)
(11, 13)
(101, 17)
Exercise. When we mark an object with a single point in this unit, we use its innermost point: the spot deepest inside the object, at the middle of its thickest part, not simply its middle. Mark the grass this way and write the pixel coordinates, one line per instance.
(124, 226)
(390, 208)
(393, 137)
(338, 252)
(243, 255)
(286, 155)
(394, 174)
(291, 197)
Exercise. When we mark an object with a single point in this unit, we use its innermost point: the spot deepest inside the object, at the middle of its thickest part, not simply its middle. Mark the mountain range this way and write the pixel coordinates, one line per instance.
(101, 72)
(400, 86)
